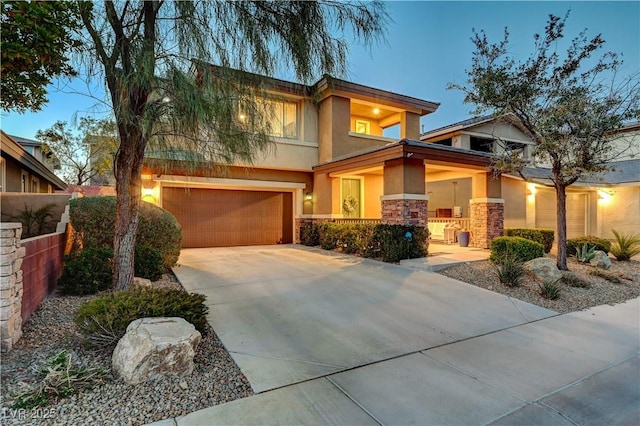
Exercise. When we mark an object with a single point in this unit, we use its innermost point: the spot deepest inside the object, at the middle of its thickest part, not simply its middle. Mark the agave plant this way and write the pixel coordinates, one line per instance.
(550, 289)
(625, 246)
(585, 253)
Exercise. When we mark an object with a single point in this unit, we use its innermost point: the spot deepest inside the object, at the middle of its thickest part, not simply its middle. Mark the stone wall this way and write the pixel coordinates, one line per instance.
(404, 212)
(11, 255)
(486, 222)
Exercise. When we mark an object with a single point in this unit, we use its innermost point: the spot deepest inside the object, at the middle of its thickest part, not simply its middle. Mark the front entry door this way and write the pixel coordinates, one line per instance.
(351, 199)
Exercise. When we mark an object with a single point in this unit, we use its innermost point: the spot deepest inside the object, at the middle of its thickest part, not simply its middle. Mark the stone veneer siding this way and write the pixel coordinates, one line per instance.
(11, 255)
(487, 222)
(404, 212)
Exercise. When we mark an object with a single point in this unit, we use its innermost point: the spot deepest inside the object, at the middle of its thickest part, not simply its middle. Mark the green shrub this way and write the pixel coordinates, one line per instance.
(518, 248)
(309, 234)
(585, 253)
(371, 240)
(397, 242)
(598, 243)
(148, 263)
(87, 272)
(93, 221)
(550, 290)
(104, 320)
(329, 234)
(625, 246)
(539, 235)
(364, 242)
(91, 270)
(510, 271)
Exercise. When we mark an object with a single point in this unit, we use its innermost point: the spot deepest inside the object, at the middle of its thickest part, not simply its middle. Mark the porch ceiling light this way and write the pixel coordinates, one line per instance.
(376, 111)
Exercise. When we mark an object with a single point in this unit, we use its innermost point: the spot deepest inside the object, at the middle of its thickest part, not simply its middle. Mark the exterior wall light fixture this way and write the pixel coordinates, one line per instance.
(308, 196)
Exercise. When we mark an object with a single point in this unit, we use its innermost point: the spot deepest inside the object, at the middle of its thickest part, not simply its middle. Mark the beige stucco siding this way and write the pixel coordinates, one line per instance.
(288, 155)
(373, 187)
(514, 193)
(501, 130)
(621, 212)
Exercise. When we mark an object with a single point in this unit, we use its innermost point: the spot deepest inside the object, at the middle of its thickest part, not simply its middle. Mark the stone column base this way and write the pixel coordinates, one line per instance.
(404, 209)
(487, 220)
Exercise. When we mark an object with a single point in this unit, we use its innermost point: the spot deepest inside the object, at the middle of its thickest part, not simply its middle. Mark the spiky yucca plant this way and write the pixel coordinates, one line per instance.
(625, 246)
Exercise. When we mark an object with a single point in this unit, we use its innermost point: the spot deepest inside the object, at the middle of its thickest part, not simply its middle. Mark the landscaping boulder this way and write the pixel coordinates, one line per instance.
(155, 347)
(544, 268)
(601, 260)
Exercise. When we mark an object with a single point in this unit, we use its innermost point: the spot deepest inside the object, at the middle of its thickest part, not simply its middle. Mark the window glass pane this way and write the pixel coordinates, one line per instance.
(290, 120)
(276, 118)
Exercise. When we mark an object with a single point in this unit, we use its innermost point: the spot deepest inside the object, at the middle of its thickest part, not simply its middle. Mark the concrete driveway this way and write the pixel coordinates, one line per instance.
(288, 313)
(330, 339)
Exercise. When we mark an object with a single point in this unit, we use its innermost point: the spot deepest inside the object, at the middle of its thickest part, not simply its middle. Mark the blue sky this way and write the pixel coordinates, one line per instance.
(428, 45)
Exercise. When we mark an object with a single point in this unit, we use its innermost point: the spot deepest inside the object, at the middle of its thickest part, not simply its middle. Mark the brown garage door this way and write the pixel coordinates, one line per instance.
(223, 218)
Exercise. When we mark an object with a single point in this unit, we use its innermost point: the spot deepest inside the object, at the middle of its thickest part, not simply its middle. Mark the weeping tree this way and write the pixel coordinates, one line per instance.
(569, 104)
(166, 103)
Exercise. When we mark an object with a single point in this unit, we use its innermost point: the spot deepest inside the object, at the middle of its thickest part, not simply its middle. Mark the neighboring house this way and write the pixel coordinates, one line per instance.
(595, 204)
(26, 168)
(42, 154)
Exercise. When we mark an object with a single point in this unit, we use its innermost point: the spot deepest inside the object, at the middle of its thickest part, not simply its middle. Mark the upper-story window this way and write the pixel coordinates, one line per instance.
(481, 144)
(284, 119)
(363, 126)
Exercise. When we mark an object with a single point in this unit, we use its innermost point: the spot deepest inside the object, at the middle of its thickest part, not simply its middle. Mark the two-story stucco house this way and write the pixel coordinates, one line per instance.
(330, 161)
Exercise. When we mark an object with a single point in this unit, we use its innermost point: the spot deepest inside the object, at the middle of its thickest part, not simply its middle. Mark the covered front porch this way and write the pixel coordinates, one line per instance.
(413, 183)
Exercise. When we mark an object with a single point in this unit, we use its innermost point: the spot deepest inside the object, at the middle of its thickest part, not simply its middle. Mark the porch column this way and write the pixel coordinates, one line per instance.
(486, 210)
(404, 201)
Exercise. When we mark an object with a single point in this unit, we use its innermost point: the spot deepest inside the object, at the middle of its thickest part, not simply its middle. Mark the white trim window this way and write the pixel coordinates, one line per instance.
(284, 119)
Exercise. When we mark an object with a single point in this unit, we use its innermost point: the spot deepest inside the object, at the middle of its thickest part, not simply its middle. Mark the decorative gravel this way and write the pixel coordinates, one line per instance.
(216, 378)
(601, 291)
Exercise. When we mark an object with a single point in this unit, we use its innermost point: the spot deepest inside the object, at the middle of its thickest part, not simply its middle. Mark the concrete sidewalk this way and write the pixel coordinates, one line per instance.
(442, 256)
(581, 368)
(330, 339)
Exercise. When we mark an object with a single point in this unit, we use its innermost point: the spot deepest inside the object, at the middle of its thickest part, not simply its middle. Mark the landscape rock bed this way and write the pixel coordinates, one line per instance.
(601, 292)
(216, 378)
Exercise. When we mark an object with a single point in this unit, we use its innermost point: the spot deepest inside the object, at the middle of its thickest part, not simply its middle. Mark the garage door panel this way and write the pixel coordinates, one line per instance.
(222, 218)
(546, 212)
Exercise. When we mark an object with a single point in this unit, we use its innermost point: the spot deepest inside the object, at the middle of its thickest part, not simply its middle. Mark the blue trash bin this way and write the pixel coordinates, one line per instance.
(463, 238)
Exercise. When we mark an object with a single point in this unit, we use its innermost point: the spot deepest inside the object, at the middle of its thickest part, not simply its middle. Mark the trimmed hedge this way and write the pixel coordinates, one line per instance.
(539, 235)
(598, 243)
(399, 242)
(516, 248)
(93, 222)
(389, 242)
(104, 320)
(87, 272)
(148, 263)
(90, 271)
